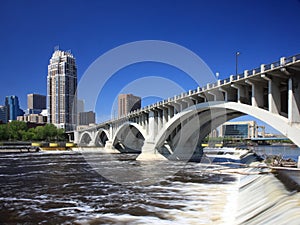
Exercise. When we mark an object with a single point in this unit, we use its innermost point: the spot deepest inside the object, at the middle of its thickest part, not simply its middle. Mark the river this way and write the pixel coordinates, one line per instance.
(65, 188)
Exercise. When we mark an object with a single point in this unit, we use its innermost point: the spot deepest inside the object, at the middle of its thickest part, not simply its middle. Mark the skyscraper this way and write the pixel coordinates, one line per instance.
(3, 114)
(80, 106)
(128, 103)
(61, 90)
(86, 118)
(13, 108)
(36, 103)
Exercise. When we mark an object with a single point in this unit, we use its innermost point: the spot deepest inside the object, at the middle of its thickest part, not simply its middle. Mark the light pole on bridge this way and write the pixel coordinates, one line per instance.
(236, 62)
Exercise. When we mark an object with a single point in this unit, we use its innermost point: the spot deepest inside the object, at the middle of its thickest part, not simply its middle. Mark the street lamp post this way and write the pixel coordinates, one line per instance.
(236, 62)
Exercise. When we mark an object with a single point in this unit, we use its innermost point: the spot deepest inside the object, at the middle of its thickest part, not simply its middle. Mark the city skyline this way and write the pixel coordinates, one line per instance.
(261, 31)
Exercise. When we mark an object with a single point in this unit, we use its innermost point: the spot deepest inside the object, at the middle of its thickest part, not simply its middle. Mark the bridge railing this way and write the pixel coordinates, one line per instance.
(289, 59)
(275, 65)
(240, 76)
(215, 84)
(256, 70)
(268, 67)
(225, 81)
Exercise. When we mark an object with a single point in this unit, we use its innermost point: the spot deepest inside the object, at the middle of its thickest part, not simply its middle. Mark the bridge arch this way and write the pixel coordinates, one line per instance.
(101, 137)
(85, 139)
(129, 137)
(224, 111)
(194, 124)
(276, 121)
(197, 116)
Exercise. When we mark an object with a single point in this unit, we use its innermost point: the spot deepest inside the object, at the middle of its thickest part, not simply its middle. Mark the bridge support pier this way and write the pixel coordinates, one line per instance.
(109, 148)
(149, 152)
(257, 98)
(76, 137)
(294, 100)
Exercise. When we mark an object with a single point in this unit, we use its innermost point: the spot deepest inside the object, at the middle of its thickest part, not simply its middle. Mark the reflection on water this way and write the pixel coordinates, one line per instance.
(62, 188)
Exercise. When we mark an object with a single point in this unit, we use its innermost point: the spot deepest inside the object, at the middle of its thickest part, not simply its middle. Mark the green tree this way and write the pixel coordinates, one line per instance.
(50, 132)
(15, 129)
(39, 134)
(3, 132)
(28, 135)
(61, 135)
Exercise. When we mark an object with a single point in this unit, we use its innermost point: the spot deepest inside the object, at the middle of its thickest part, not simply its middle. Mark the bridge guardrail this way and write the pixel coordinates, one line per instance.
(226, 80)
(268, 67)
(276, 64)
(289, 59)
(240, 76)
(256, 70)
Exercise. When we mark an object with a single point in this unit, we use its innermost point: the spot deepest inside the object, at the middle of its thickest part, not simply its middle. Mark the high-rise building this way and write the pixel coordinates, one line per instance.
(61, 90)
(13, 108)
(128, 103)
(86, 118)
(3, 114)
(80, 106)
(36, 103)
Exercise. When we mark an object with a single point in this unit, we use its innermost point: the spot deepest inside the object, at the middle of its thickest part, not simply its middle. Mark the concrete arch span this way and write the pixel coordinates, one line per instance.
(187, 142)
(206, 121)
(216, 113)
(278, 122)
(102, 136)
(192, 118)
(85, 139)
(129, 137)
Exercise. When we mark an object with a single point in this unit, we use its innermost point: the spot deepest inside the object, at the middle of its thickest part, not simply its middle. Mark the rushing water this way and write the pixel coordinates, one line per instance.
(63, 188)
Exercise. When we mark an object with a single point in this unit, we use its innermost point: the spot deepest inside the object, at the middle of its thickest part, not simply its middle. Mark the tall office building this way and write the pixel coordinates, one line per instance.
(13, 108)
(128, 103)
(3, 114)
(36, 103)
(80, 106)
(86, 118)
(61, 90)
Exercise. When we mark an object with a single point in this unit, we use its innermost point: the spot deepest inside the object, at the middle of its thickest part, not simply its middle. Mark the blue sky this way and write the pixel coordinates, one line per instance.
(262, 30)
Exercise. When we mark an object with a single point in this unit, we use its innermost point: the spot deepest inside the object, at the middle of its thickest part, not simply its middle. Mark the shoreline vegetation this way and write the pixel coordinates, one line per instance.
(17, 131)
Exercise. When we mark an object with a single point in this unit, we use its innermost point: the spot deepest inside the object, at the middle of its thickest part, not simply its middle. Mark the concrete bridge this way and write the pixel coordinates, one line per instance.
(175, 127)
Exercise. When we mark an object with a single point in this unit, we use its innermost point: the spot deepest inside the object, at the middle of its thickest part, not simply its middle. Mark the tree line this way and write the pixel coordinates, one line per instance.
(18, 131)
